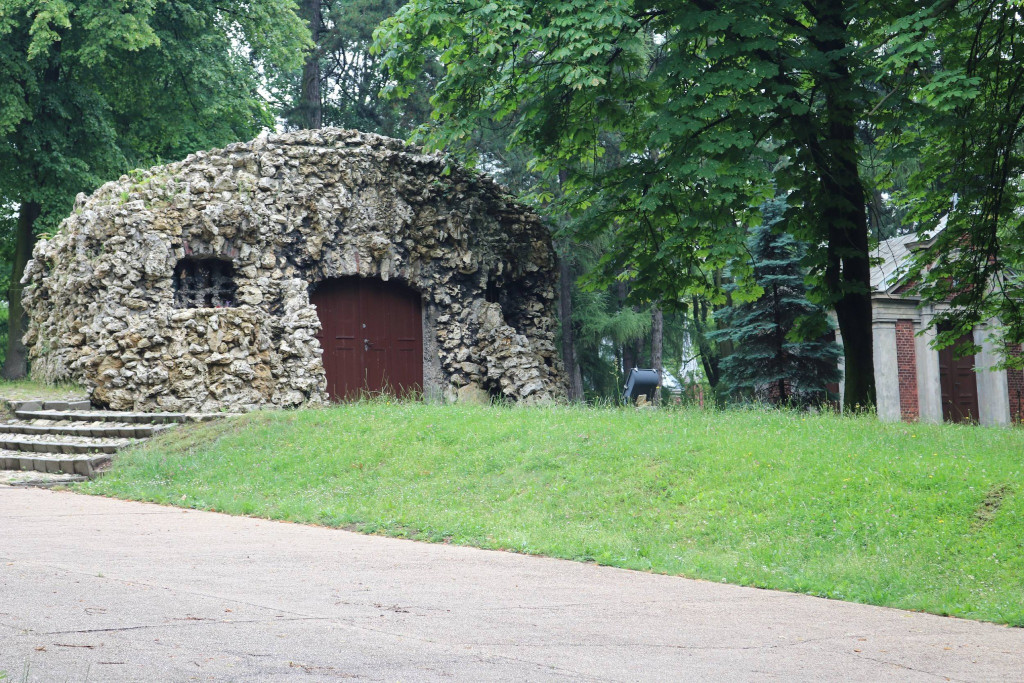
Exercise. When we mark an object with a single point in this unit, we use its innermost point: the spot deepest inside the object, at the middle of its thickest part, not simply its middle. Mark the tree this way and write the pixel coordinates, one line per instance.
(573, 372)
(703, 97)
(768, 360)
(608, 331)
(349, 79)
(702, 331)
(8, 223)
(310, 106)
(93, 88)
(341, 81)
(964, 121)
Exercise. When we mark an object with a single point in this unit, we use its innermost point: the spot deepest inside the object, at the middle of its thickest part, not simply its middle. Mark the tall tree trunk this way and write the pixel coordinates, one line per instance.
(577, 378)
(853, 313)
(844, 209)
(574, 379)
(16, 363)
(311, 106)
(709, 359)
(629, 356)
(657, 337)
(628, 360)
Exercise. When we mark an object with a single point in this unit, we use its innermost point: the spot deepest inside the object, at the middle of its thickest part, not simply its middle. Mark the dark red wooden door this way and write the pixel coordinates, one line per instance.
(372, 336)
(959, 385)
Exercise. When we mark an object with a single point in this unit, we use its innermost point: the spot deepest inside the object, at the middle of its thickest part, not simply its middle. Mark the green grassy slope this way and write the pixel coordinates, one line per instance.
(926, 517)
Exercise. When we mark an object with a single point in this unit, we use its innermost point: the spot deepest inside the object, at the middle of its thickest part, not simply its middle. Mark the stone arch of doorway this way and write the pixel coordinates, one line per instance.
(371, 334)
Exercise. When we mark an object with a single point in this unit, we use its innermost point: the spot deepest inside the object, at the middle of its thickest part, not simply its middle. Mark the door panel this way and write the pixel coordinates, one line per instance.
(959, 385)
(339, 313)
(371, 335)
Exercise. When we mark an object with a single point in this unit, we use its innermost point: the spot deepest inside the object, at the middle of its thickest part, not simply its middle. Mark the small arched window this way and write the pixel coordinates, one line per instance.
(204, 283)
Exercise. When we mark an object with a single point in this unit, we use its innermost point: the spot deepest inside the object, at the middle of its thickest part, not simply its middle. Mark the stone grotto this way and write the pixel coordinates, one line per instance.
(292, 270)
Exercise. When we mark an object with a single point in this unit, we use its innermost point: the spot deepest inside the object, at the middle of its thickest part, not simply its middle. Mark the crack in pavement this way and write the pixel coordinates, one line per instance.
(350, 623)
(182, 622)
(448, 646)
(943, 677)
(360, 593)
(185, 591)
(564, 605)
(573, 673)
(93, 514)
(297, 616)
(664, 646)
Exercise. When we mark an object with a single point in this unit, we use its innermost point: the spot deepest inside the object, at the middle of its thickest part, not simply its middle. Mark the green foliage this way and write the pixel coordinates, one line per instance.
(604, 326)
(770, 360)
(708, 107)
(92, 88)
(963, 121)
(351, 77)
(8, 225)
(700, 98)
(572, 82)
(898, 515)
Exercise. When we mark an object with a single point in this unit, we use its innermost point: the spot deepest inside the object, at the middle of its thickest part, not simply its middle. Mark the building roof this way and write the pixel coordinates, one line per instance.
(890, 262)
(892, 258)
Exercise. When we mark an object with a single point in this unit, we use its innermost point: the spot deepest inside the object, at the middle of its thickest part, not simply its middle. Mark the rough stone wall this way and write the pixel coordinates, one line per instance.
(289, 211)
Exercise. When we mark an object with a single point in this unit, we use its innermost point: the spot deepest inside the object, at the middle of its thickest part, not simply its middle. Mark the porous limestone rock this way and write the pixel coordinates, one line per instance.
(286, 212)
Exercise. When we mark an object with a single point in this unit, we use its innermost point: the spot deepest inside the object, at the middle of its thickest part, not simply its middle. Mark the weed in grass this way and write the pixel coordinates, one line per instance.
(988, 508)
(843, 507)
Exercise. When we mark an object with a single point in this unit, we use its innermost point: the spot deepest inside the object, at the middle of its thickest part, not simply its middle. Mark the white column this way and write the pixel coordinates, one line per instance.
(993, 393)
(929, 388)
(887, 378)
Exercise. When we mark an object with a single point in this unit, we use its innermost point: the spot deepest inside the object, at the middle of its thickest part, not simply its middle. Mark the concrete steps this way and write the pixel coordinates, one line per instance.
(114, 416)
(35, 479)
(68, 437)
(57, 443)
(74, 404)
(101, 429)
(86, 465)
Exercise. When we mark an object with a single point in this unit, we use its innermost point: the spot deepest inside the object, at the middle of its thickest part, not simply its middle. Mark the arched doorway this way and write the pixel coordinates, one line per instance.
(371, 333)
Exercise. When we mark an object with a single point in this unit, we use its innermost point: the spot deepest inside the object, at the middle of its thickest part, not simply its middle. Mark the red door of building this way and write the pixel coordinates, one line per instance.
(372, 336)
(959, 385)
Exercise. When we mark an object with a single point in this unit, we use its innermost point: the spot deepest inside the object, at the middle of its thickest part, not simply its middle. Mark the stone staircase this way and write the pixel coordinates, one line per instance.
(70, 438)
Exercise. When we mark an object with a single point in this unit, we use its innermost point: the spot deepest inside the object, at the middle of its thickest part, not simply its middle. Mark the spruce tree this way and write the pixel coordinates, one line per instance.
(768, 362)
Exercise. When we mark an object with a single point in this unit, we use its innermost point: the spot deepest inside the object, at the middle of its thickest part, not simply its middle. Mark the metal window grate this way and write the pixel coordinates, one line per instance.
(204, 283)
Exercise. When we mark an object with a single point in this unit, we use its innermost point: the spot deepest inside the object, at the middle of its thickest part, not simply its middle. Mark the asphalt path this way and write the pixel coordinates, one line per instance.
(93, 589)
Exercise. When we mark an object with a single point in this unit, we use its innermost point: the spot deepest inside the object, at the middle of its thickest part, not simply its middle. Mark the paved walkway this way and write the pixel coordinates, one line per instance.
(103, 590)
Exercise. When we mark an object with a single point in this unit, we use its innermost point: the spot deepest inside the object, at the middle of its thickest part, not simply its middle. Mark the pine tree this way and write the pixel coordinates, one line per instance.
(767, 362)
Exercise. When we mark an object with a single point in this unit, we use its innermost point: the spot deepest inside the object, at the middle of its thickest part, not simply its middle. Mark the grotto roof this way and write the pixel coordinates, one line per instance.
(146, 184)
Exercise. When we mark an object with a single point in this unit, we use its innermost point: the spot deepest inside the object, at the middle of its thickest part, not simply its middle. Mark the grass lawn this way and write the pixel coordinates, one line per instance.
(922, 517)
(21, 390)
